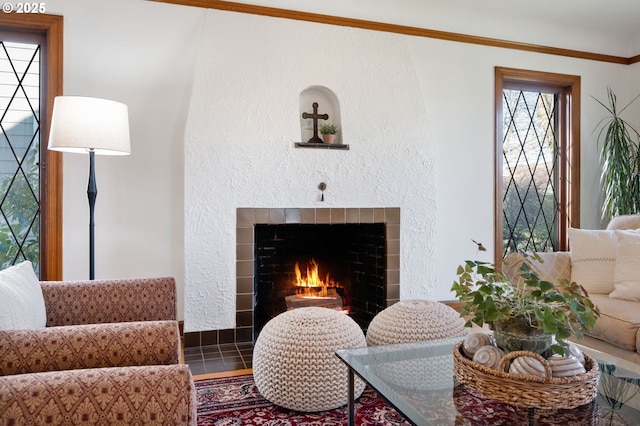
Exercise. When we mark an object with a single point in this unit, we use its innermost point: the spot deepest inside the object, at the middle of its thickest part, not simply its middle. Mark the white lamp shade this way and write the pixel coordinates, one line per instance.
(81, 124)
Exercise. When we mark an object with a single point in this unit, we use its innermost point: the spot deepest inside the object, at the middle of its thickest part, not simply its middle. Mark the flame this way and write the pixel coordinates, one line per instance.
(313, 280)
(312, 287)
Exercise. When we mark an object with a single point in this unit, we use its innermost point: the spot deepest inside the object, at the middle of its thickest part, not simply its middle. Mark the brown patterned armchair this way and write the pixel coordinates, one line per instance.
(110, 354)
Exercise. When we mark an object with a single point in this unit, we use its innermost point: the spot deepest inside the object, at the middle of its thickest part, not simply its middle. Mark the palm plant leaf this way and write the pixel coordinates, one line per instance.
(620, 160)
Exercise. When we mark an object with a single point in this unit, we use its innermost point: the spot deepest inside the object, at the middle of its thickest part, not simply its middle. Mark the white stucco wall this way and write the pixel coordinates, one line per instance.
(423, 104)
(145, 53)
(458, 84)
(140, 53)
(244, 119)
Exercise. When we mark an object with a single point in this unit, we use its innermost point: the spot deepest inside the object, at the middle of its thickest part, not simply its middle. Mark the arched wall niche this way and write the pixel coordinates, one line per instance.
(327, 104)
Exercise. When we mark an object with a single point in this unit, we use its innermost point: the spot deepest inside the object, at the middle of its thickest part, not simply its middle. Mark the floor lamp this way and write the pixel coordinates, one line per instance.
(90, 126)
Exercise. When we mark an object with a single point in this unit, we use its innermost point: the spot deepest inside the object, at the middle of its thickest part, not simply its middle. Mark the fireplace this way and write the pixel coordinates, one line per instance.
(336, 266)
(249, 217)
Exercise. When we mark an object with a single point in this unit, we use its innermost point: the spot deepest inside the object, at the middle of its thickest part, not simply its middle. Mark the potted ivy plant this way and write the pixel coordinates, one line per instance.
(532, 314)
(620, 159)
(328, 132)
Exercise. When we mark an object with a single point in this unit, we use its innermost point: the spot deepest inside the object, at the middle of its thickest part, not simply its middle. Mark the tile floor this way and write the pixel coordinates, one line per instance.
(217, 358)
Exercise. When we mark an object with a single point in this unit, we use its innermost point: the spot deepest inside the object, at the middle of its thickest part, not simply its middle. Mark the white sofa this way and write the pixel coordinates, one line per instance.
(591, 263)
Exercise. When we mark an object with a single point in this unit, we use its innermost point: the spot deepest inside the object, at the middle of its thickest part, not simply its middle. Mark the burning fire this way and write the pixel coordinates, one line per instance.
(311, 290)
(312, 285)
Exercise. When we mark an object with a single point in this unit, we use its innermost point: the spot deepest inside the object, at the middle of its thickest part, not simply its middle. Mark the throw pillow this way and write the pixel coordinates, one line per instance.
(626, 278)
(627, 221)
(21, 300)
(593, 259)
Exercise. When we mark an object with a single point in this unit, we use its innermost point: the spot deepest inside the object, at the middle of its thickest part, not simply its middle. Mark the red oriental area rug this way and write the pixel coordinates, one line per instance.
(235, 401)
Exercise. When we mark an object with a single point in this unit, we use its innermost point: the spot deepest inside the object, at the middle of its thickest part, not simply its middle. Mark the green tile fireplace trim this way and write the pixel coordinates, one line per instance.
(218, 337)
(247, 218)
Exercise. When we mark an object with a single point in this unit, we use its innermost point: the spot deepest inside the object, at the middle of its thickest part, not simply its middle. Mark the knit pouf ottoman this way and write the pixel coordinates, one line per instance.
(412, 321)
(294, 365)
(415, 320)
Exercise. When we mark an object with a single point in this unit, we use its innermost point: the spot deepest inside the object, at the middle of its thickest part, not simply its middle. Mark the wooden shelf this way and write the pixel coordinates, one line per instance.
(322, 145)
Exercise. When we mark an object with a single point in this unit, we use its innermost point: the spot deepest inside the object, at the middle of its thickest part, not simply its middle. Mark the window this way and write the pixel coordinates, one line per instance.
(30, 175)
(20, 153)
(537, 160)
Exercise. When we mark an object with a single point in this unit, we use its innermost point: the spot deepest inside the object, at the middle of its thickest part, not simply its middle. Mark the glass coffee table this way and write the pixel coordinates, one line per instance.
(417, 379)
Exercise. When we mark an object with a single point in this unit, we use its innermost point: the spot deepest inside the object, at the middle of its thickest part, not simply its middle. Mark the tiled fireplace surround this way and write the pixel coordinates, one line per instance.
(247, 218)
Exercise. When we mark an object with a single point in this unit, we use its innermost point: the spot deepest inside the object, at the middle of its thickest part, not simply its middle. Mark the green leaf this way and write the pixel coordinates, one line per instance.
(558, 349)
(545, 286)
(484, 270)
(562, 333)
(549, 324)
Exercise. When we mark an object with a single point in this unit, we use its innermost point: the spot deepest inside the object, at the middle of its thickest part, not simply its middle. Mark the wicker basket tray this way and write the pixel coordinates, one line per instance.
(527, 391)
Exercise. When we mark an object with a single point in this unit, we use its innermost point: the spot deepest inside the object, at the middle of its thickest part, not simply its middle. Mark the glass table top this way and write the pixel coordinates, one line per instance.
(417, 379)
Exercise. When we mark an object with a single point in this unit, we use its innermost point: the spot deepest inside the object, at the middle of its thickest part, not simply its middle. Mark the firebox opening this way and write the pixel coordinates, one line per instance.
(290, 260)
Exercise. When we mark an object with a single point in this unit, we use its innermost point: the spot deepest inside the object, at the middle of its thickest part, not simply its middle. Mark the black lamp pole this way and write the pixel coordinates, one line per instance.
(92, 193)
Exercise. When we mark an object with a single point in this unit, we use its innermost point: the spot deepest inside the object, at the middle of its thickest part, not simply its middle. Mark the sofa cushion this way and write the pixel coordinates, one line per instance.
(21, 300)
(155, 394)
(618, 323)
(593, 259)
(626, 278)
(627, 221)
(553, 266)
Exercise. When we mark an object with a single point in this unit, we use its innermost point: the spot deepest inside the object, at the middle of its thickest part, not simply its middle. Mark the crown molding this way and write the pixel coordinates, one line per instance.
(399, 29)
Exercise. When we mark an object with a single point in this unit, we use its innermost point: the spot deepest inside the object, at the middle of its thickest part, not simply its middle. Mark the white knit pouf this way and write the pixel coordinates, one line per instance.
(430, 371)
(415, 320)
(294, 364)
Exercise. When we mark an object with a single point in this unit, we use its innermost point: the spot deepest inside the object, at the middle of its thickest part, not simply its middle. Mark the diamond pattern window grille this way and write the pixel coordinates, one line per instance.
(19, 153)
(530, 171)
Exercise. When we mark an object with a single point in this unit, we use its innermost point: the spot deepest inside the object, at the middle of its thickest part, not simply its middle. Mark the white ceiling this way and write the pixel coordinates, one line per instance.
(598, 26)
(620, 17)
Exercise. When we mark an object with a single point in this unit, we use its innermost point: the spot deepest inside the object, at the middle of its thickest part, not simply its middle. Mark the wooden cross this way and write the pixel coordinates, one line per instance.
(315, 116)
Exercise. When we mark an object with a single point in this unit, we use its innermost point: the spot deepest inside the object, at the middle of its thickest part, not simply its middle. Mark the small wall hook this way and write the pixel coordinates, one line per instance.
(322, 186)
